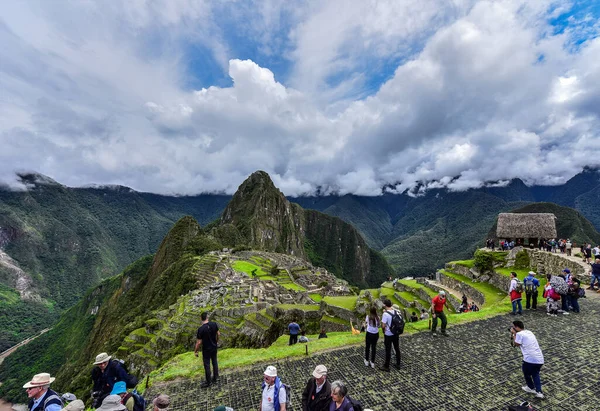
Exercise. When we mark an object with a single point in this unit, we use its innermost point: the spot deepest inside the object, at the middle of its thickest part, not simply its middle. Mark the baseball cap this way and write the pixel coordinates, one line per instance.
(320, 370)
(271, 371)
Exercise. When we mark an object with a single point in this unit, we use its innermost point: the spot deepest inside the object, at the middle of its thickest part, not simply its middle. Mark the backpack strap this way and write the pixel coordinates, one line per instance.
(54, 399)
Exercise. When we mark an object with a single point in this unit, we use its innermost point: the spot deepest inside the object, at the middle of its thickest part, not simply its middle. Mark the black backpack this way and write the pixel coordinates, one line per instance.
(139, 402)
(530, 287)
(356, 404)
(397, 325)
(131, 381)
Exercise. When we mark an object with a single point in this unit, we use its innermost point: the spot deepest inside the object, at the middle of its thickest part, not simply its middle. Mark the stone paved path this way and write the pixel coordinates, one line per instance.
(473, 369)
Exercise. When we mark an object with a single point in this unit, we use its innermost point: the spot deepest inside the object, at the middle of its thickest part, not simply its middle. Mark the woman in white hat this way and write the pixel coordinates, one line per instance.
(42, 397)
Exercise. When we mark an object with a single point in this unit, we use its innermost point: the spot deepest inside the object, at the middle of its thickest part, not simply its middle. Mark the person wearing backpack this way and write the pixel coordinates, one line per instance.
(531, 284)
(274, 392)
(515, 290)
(104, 376)
(127, 399)
(390, 336)
(437, 311)
(42, 398)
(317, 394)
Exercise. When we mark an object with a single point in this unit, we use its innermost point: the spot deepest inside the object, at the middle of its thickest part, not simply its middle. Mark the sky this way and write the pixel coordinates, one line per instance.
(338, 96)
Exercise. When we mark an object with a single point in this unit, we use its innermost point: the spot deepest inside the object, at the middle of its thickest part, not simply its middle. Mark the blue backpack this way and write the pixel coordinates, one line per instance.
(288, 392)
(139, 402)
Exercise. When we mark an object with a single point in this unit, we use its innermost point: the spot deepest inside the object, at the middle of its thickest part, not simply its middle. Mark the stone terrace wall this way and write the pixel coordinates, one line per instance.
(462, 270)
(553, 263)
(454, 302)
(471, 293)
(499, 281)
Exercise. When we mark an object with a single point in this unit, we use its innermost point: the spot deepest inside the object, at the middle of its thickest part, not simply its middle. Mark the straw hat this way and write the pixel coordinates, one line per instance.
(39, 380)
(102, 357)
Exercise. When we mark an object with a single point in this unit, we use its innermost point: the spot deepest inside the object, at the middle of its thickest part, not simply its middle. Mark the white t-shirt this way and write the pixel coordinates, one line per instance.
(386, 319)
(529, 347)
(267, 397)
(372, 329)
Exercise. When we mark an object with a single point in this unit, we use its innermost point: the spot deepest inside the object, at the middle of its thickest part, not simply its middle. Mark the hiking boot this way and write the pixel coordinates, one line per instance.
(397, 366)
(539, 395)
(433, 334)
(205, 384)
(386, 369)
(372, 364)
(215, 380)
(527, 389)
(366, 363)
(444, 333)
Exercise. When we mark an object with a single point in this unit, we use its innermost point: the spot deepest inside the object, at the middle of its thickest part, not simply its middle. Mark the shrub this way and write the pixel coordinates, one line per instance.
(484, 261)
(522, 260)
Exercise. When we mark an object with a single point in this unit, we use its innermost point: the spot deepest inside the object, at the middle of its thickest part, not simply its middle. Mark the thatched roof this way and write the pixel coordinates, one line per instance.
(526, 225)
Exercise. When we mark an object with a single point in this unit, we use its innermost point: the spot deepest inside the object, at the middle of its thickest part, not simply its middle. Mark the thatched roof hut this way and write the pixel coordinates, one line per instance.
(526, 225)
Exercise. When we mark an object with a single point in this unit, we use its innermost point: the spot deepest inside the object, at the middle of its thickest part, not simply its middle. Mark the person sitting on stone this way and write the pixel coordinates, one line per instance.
(424, 314)
(473, 306)
(303, 338)
(413, 317)
(322, 334)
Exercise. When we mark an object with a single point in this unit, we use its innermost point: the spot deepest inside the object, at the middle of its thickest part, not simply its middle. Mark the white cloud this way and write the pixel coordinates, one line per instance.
(481, 91)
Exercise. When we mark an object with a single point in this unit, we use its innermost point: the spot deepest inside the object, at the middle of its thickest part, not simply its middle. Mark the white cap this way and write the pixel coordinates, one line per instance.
(442, 292)
(271, 371)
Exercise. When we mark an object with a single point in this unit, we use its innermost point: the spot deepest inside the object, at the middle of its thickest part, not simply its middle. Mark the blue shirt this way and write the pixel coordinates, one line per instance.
(536, 282)
(50, 407)
(294, 328)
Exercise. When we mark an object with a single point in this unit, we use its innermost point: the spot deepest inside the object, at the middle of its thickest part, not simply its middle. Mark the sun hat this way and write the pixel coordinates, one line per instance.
(119, 388)
(320, 370)
(102, 357)
(39, 380)
(75, 405)
(271, 371)
(162, 401)
(112, 403)
(395, 307)
(531, 273)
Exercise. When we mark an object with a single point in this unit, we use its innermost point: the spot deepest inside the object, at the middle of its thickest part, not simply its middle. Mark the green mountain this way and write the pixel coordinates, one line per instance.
(160, 292)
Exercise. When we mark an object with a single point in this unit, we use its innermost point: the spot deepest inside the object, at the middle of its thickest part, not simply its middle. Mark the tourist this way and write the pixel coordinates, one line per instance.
(568, 247)
(473, 306)
(303, 338)
(464, 301)
(588, 253)
(424, 314)
(531, 284)
(565, 298)
(515, 294)
(317, 393)
(68, 397)
(322, 334)
(111, 403)
(552, 298)
(413, 317)
(595, 274)
(274, 396)
(104, 376)
(42, 398)
(533, 359)
(371, 337)
(340, 401)
(208, 337)
(437, 311)
(574, 287)
(161, 403)
(121, 390)
(294, 331)
(389, 338)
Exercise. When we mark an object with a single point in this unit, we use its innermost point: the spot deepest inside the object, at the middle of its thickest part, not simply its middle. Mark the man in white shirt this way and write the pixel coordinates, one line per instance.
(533, 359)
(389, 338)
(274, 396)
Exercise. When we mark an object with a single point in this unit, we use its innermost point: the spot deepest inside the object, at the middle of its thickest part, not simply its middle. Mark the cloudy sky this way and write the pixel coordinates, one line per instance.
(178, 96)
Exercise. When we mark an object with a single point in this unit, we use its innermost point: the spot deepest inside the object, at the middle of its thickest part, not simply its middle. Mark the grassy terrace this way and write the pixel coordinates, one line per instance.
(492, 294)
(465, 263)
(247, 268)
(416, 285)
(347, 302)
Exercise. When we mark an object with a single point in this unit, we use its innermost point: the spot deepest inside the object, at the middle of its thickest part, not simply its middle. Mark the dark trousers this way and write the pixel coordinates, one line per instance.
(575, 304)
(209, 356)
(293, 339)
(442, 316)
(531, 372)
(531, 298)
(388, 341)
(371, 343)
(565, 302)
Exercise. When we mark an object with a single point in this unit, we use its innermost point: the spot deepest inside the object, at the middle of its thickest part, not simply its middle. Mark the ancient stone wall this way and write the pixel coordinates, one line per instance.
(471, 293)
(544, 262)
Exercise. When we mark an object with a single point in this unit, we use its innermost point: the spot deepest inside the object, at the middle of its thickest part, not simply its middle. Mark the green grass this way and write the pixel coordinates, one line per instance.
(416, 285)
(347, 302)
(293, 286)
(492, 294)
(316, 297)
(187, 366)
(304, 307)
(465, 263)
(247, 268)
(521, 272)
(375, 292)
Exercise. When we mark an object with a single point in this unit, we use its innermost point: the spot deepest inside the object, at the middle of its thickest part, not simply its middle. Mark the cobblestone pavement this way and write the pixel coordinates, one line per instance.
(475, 368)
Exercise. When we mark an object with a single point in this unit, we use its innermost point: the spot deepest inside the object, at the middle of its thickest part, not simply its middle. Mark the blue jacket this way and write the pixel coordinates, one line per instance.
(536, 282)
